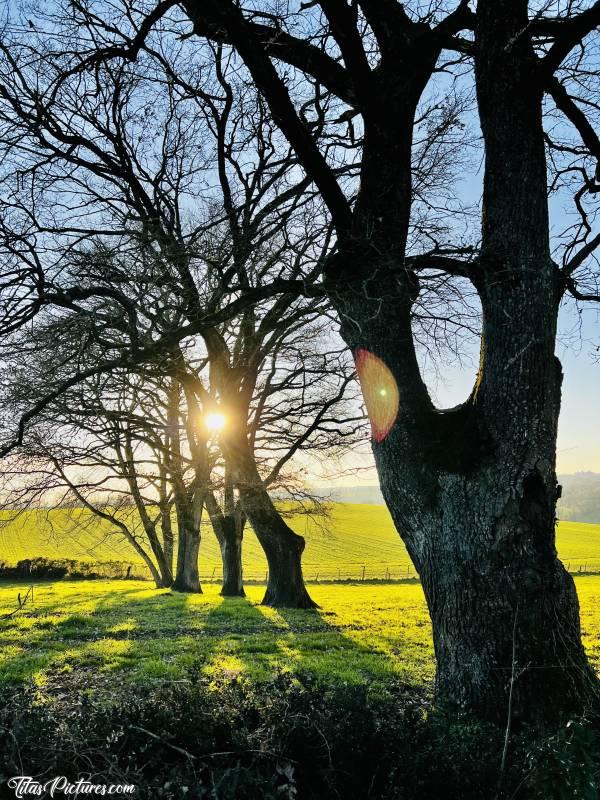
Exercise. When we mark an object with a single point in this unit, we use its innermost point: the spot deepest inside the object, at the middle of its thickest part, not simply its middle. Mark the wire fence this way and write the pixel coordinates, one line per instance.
(212, 573)
(349, 573)
(358, 573)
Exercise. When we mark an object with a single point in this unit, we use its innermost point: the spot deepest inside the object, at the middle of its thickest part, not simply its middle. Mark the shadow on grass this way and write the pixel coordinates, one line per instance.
(304, 643)
(140, 635)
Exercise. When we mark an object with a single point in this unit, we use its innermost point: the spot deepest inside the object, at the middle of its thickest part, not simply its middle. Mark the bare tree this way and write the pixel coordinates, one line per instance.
(97, 450)
(283, 391)
(472, 490)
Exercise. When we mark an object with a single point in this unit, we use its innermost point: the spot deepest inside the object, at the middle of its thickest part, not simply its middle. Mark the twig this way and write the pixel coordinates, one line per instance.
(510, 704)
(174, 747)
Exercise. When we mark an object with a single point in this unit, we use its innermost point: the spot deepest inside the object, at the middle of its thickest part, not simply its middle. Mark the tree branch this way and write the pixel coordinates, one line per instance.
(570, 33)
(281, 45)
(565, 103)
(343, 26)
(578, 260)
(574, 292)
(226, 17)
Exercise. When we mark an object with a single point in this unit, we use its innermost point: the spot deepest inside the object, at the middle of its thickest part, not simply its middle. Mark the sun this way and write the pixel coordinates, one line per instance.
(214, 421)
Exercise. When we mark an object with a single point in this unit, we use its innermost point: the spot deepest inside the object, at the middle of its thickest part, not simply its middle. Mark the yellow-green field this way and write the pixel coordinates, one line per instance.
(352, 538)
(106, 633)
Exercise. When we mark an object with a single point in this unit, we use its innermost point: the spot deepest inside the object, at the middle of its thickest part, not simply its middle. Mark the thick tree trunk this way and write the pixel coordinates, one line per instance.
(504, 610)
(188, 547)
(472, 492)
(283, 549)
(229, 530)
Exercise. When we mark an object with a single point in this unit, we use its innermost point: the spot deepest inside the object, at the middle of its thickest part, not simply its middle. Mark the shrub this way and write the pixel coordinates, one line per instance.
(286, 739)
(60, 568)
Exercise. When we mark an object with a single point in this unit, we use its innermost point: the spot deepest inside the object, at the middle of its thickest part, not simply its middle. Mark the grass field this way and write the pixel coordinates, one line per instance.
(98, 634)
(355, 536)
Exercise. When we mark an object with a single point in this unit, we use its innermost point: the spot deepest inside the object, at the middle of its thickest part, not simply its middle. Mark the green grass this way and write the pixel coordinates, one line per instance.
(354, 536)
(95, 634)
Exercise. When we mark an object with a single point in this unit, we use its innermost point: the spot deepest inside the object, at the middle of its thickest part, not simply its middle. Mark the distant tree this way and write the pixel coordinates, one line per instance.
(113, 444)
(141, 269)
(140, 443)
(283, 391)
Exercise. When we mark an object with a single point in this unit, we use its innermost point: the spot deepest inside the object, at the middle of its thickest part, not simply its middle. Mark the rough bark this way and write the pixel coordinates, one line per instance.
(188, 547)
(472, 490)
(228, 526)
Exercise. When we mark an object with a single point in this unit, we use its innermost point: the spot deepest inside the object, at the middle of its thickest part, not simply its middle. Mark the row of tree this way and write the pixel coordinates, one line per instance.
(132, 439)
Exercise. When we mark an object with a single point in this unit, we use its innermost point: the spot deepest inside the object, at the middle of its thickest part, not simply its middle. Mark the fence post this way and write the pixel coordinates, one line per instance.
(363, 573)
(213, 575)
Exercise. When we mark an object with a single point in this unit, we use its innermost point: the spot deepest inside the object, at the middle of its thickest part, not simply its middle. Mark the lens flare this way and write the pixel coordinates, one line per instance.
(380, 392)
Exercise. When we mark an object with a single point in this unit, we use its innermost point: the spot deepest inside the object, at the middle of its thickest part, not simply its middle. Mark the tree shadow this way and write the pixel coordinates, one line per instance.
(123, 629)
(302, 643)
(143, 636)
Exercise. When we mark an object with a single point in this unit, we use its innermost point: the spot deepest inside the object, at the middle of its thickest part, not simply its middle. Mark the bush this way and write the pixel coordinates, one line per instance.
(59, 568)
(286, 739)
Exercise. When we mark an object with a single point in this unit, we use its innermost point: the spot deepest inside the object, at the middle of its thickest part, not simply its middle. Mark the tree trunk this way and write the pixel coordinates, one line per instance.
(231, 554)
(229, 530)
(164, 569)
(472, 492)
(283, 549)
(168, 540)
(188, 548)
(156, 576)
(504, 610)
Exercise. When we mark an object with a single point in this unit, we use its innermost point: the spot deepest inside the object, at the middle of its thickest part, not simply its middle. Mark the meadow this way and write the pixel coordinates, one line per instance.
(102, 635)
(353, 542)
(236, 701)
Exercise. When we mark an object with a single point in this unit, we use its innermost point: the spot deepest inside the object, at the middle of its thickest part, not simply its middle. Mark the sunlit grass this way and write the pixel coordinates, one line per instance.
(89, 631)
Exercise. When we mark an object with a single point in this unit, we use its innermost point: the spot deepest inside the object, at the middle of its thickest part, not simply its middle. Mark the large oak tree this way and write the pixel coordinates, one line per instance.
(472, 490)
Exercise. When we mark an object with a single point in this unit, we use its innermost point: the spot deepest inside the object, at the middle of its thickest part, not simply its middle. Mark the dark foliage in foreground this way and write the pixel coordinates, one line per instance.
(289, 740)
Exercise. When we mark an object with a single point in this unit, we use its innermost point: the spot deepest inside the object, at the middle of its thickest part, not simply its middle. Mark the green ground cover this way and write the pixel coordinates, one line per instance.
(106, 633)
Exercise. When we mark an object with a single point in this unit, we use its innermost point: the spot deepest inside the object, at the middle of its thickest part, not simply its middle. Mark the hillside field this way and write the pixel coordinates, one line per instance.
(354, 540)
